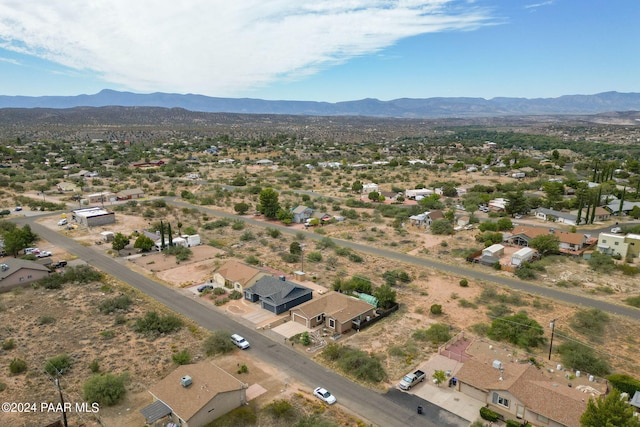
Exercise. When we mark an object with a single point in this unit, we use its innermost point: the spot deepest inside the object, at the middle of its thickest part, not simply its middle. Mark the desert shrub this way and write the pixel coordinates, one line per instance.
(219, 291)
(8, 344)
(362, 366)
(235, 295)
(237, 225)
(628, 270)
(3, 386)
(325, 243)
(464, 283)
(81, 274)
(243, 369)
(221, 223)
(480, 329)
(467, 304)
(437, 333)
(518, 329)
(108, 334)
(281, 409)
(106, 389)
(601, 262)
(498, 310)
(252, 260)
(273, 232)
(342, 251)
(182, 357)
(314, 257)
(436, 309)
(57, 365)
(52, 281)
(94, 366)
(355, 258)
(153, 325)
(46, 320)
(582, 358)
(633, 301)
(219, 342)
(305, 338)
(121, 302)
(591, 322)
(516, 423)
(17, 366)
(525, 272)
(180, 252)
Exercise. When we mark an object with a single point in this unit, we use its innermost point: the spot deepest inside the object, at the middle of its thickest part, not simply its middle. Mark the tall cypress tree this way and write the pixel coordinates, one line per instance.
(624, 192)
(170, 234)
(162, 243)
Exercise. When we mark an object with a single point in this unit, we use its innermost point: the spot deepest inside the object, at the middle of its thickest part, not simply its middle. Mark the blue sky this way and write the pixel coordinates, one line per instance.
(321, 50)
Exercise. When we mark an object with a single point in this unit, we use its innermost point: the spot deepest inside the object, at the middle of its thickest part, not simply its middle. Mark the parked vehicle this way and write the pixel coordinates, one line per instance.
(29, 251)
(18, 208)
(58, 264)
(63, 221)
(204, 287)
(43, 254)
(324, 395)
(412, 379)
(240, 342)
(616, 230)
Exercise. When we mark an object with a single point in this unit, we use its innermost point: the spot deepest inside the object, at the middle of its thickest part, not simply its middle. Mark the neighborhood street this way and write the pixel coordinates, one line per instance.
(372, 406)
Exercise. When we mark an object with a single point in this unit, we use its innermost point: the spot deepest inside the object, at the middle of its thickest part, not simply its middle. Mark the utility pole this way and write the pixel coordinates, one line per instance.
(552, 325)
(64, 412)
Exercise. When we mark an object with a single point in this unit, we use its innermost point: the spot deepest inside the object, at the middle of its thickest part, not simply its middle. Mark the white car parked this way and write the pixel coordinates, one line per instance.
(240, 342)
(324, 395)
(43, 254)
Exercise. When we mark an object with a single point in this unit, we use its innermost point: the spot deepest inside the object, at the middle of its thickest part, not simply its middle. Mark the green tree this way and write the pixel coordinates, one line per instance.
(504, 224)
(219, 342)
(357, 186)
(14, 241)
(120, 241)
(517, 204)
(269, 204)
(144, 243)
(385, 295)
(554, 192)
(609, 411)
(170, 234)
(439, 376)
(106, 389)
(374, 196)
(295, 248)
(545, 244)
(441, 226)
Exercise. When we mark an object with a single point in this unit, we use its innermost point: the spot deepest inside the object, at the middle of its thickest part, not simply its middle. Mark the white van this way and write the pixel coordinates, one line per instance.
(240, 342)
(63, 221)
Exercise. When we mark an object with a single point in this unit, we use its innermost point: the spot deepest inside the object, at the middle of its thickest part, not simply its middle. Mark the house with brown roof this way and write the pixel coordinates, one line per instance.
(15, 272)
(525, 392)
(130, 194)
(194, 395)
(570, 243)
(237, 275)
(333, 310)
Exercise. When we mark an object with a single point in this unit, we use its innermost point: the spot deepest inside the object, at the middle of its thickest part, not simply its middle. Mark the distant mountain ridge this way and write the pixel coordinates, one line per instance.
(399, 108)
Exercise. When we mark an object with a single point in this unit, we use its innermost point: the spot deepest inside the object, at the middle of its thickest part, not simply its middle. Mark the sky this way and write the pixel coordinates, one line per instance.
(321, 50)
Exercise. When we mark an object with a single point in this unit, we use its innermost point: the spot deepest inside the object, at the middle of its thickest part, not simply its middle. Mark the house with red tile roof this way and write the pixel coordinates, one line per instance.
(570, 243)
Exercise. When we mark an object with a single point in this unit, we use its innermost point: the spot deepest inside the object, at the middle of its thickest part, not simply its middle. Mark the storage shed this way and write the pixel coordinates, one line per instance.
(523, 255)
(496, 250)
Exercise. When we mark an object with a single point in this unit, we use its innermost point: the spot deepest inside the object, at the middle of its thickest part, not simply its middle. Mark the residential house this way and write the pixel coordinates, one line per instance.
(103, 197)
(463, 220)
(237, 275)
(335, 311)
(130, 194)
(426, 218)
(15, 272)
(301, 213)
(276, 294)
(194, 395)
(66, 187)
(321, 216)
(264, 162)
(615, 208)
(369, 188)
(523, 391)
(557, 216)
(633, 240)
(612, 244)
(390, 195)
(570, 243)
(601, 214)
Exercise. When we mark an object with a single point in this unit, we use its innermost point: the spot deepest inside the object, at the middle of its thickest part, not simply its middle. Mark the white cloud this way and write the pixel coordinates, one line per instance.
(537, 5)
(218, 47)
(9, 60)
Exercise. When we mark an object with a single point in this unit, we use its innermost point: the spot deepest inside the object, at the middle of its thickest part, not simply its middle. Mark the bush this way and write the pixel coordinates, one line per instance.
(46, 320)
(464, 283)
(218, 291)
(106, 389)
(281, 409)
(235, 295)
(633, 301)
(180, 252)
(122, 302)
(314, 257)
(624, 383)
(153, 325)
(17, 366)
(582, 358)
(181, 358)
(590, 322)
(437, 334)
(273, 232)
(219, 342)
(3, 386)
(355, 362)
(57, 365)
(436, 309)
(94, 366)
(488, 414)
(8, 344)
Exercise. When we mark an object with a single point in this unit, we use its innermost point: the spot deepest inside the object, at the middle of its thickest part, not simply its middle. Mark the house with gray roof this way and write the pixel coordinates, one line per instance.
(15, 272)
(301, 213)
(557, 216)
(277, 294)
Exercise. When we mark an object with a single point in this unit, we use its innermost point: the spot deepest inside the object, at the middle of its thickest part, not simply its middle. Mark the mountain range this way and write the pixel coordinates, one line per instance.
(399, 108)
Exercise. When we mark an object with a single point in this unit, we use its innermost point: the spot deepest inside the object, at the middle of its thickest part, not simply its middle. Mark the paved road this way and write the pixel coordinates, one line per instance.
(463, 269)
(374, 407)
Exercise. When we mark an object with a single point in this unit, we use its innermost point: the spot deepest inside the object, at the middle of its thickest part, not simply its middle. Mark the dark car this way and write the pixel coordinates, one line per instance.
(203, 288)
(59, 264)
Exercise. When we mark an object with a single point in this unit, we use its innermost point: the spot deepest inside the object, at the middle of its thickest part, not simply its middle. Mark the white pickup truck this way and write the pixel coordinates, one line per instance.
(412, 379)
